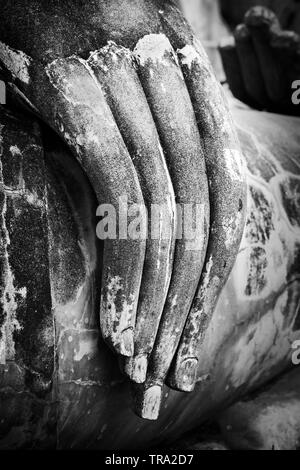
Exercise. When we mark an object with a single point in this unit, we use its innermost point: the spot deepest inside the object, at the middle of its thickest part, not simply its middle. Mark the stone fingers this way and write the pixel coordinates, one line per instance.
(227, 189)
(68, 97)
(168, 97)
(114, 65)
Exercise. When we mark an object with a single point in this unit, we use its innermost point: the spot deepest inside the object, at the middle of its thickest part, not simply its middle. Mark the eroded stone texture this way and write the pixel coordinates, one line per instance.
(26, 321)
(247, 343)
(268, 421)
(208, 446)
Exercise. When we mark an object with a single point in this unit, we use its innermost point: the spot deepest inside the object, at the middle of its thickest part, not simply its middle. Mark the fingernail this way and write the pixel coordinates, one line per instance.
(186, 375)
(126, 344)
(149, 405)
(136, 368)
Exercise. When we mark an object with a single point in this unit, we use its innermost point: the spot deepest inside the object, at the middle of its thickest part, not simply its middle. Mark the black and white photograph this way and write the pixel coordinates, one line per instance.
(149, 228)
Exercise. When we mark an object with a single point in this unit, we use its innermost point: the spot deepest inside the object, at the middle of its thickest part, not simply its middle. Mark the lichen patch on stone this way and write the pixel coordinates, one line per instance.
(16, 62)
(153, 48)
(9, 293)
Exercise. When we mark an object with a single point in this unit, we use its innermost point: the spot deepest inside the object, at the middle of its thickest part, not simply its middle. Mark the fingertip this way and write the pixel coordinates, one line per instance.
(148, 402)
(184, 376)
(261, 17)
(125, 345)
(136, 368)
(242, 33)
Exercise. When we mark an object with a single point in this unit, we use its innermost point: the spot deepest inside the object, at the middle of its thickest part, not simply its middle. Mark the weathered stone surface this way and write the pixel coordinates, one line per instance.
(269, 421)
(208, 446)
(268, 58)
(26, 320)
(248, 342)
(205, 437)
(288, 11)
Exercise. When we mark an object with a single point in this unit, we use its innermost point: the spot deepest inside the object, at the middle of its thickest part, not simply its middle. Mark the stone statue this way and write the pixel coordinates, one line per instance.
(105, 101)
(263, 62)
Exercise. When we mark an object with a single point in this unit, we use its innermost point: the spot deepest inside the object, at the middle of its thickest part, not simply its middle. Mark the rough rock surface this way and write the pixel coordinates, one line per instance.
(288, 11)
(208, 446)
(27, 343)
(59, 384)
(269, 421)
